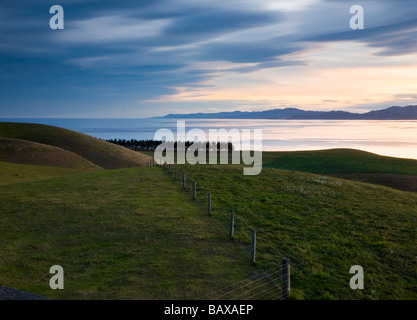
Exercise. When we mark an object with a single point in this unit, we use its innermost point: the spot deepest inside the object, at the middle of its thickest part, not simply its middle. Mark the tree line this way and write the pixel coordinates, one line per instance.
(149, 145)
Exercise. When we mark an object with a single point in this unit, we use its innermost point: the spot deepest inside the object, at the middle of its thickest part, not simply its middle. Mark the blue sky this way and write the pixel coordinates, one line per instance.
(150, 58)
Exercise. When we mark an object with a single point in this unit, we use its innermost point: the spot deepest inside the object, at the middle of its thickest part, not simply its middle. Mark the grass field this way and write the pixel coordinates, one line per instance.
(324, 225)
(123, 234)
(336, 161)
(349, 164)
(135, 233)
(101, 153)
(11, 173)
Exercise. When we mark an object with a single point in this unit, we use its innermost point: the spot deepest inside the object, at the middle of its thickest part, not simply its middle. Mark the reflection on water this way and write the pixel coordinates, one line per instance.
(392, 138)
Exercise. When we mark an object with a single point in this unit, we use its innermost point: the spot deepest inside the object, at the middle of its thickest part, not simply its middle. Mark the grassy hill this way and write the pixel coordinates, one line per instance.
(349, 164)
(27, 152)
(96, 151)
(134, 233)
(324, 225)
(118, 234)
(339, 161)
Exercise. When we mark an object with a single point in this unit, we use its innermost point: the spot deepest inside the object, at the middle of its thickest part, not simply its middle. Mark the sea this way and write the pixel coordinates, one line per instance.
(390, 138)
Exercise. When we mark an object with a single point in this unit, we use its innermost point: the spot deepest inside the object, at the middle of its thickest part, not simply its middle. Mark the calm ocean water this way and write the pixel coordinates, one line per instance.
(391, 138)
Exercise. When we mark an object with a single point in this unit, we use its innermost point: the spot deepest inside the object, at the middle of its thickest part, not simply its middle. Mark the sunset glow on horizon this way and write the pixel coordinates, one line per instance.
(321, 84)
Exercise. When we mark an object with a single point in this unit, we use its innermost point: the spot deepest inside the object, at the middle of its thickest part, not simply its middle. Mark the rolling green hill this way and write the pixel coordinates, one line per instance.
(135, 233)
(334, 161)
(349, 164)
(28, 152)
(118, 234)
(96, 151)
(324, 225)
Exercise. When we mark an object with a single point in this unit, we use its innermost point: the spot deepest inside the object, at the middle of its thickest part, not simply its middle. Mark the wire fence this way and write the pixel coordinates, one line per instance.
(317, 267)
(269, 282)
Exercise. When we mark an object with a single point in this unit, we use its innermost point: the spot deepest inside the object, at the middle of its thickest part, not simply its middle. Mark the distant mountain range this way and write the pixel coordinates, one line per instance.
(391, 113)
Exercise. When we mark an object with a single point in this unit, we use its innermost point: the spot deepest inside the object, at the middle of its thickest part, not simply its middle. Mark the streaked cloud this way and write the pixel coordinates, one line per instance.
(149, 57)
(113, 29)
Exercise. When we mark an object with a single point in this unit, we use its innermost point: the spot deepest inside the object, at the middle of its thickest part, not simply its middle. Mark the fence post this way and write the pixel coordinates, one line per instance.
(285, 278)
(209, 204)
(194, 190)
(253, 246)
(176, 170)
(169, 168)
(232, 225)
(183, 179)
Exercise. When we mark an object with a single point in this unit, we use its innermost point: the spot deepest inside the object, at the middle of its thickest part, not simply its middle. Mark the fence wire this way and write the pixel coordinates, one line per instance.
(267, 283)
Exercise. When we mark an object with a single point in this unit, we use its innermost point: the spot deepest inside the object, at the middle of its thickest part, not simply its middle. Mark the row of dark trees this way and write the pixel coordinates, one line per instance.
(149, 145)
(133, 144)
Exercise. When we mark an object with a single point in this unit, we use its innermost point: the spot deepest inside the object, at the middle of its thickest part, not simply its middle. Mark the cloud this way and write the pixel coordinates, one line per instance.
(394, 39)
(113, 29)
(215, 22)
(390, 26)
(161, 50)
(406, 96)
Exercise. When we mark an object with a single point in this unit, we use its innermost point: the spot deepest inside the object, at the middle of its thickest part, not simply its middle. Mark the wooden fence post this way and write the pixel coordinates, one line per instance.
(183, 179)
(194, 190)
(253, 246)
(169, 168)
(285, 278)
(209, 204)
(232, 225)
(176, 170)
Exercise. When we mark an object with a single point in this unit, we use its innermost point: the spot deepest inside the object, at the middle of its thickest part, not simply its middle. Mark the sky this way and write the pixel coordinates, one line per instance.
(144, 58)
